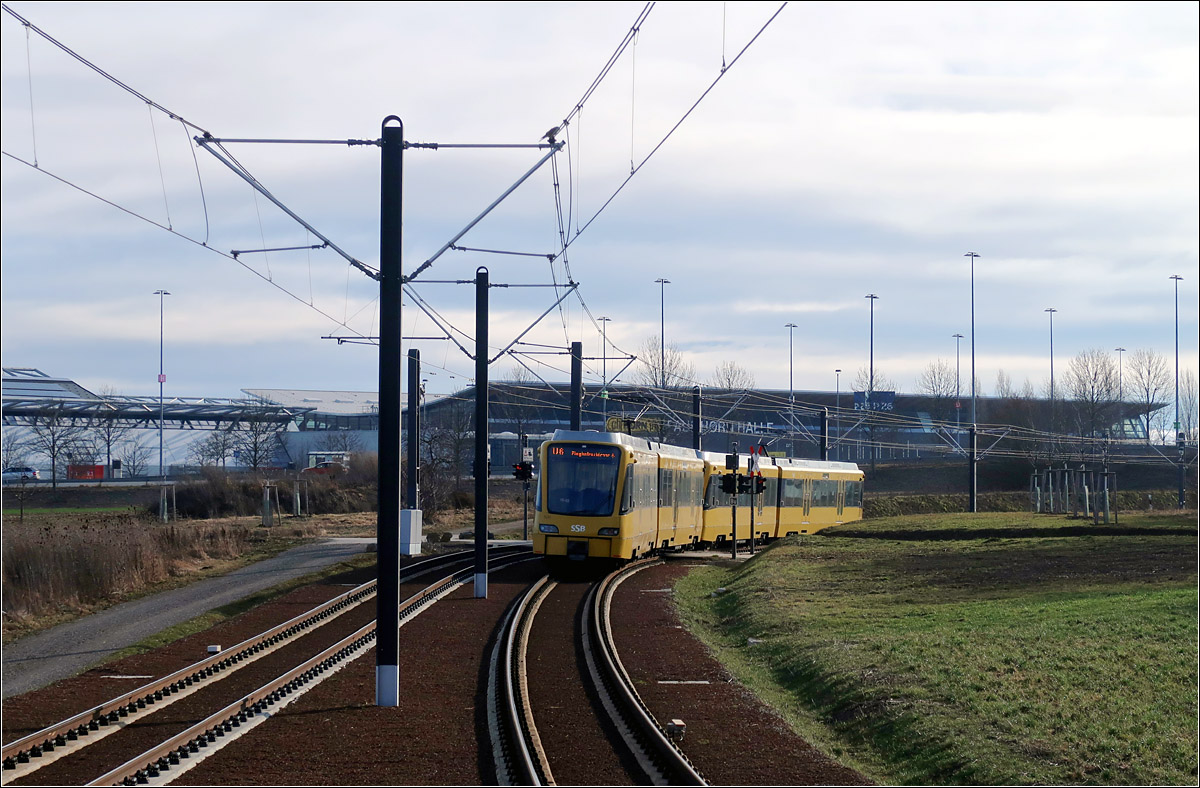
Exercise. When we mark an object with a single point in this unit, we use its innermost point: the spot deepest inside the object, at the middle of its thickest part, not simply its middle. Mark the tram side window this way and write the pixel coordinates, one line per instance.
(793, 492)
(714, 498)
(666, 487)
(854, 491)
(770, 496)
(824, 492)
(628, 497)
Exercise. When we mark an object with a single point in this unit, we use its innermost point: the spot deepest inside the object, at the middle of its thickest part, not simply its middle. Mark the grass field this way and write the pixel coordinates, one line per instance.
(973, 649)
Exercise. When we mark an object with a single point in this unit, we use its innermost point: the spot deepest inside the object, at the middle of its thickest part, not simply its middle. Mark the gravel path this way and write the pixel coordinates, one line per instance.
(63, 651)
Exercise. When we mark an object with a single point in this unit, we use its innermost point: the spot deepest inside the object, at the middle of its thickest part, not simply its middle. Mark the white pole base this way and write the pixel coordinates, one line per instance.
(410, 531)
(387, 685)
(481, 586)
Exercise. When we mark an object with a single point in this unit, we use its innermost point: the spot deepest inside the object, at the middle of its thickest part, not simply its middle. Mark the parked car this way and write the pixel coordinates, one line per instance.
(325, 469)
(19, 474)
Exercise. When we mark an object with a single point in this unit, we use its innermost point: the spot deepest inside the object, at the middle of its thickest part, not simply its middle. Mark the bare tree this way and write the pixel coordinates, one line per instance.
(347, 441)
(215, 449)
(658, 366)
(938, 382)
(448, 442)
(862, 381)
(1187, 405)
(257, 444)
(136, 456)
(54, 434)
(1149, 383)
(108, 429)
(15, 449)
(732, 376)
(1092, 384)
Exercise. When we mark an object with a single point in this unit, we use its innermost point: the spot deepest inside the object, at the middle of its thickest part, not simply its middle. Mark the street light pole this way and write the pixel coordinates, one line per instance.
(662, 357)
(871, 380)
(161, 379)
(972, 454)
(957, 380)
(1121, 387)
(972, 255)
(604, 321)
(1178, 442)
(837, 410)
(1051, 310)
(791, 393)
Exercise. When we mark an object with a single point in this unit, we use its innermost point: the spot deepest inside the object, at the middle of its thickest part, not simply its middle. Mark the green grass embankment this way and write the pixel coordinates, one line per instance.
(986, 649)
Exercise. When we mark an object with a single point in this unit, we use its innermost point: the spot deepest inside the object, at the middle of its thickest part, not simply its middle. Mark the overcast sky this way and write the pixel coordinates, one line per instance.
(853, 148)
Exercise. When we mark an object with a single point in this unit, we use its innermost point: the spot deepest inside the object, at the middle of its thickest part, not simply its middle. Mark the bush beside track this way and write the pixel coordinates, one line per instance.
(979, 649)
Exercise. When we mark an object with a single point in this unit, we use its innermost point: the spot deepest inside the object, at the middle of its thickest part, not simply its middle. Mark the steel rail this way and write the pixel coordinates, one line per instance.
(516, 747)
(663, 762)
(30, 752)
(184, 745)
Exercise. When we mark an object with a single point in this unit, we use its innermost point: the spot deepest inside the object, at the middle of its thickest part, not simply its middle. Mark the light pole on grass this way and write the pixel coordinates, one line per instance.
(791, 393)
(161, 379)
(604, 321)
(662, 311)
(837, 409)
(1178, 438)
(972, 255)
(957, 379)
(1051, 311)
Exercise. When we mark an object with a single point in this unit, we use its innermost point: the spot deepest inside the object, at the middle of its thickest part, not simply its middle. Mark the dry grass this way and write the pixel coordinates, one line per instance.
(61, 565)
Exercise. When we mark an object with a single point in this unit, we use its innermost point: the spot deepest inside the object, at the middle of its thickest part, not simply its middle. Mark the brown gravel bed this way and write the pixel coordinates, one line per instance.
(732, 737)
(33, 711)
(335, 735)
(149, 731)
(579, 743)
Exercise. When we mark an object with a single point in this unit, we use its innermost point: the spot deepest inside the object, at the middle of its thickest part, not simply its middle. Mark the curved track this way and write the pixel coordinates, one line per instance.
(644, 749)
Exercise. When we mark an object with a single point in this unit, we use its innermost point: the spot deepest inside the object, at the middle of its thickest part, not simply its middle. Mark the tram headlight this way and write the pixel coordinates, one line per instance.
(609, 531)
(548, 529)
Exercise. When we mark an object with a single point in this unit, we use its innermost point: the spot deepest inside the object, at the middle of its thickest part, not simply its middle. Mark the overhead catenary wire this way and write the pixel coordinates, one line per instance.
(178, 234)
(565, 222)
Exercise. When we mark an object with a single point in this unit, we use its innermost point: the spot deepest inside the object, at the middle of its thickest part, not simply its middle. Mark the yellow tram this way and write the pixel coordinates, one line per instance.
(606, 495)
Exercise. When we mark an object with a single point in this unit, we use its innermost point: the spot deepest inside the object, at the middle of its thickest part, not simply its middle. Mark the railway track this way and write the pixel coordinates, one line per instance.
(288, 659)
(645, 750)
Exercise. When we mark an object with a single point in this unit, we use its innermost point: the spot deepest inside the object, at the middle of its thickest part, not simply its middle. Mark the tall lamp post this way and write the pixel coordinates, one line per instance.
(791, 393)
(1121, 387)
(871, 379)
(837, 409)
(1178, 440)
(957, 380)
(972, 255)
(604, 321)
(972, 456)
(662, 357)
(161, 379)
(1051, 311)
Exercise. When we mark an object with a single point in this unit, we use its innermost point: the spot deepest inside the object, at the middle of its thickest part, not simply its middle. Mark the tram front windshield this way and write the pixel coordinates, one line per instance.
(581, 480)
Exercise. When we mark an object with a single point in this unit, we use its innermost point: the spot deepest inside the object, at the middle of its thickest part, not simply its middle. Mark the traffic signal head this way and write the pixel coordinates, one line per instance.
(745, 484)
(760, 484)
(729, 483)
